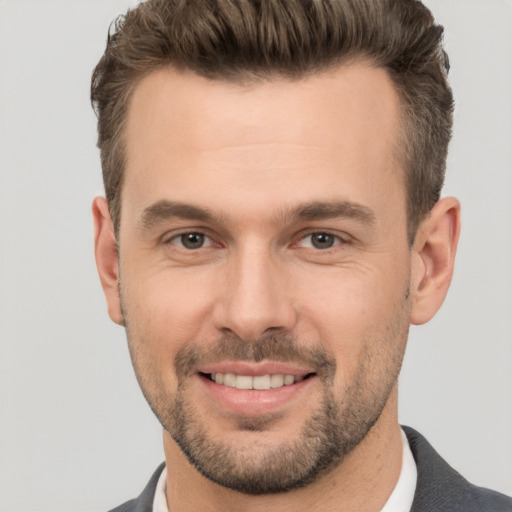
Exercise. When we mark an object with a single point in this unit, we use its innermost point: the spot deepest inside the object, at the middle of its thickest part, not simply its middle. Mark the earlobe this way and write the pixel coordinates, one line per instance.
(107, 263)
(433, 256)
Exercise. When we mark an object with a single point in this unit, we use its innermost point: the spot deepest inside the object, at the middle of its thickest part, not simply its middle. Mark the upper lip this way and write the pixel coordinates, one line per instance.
(255, 369)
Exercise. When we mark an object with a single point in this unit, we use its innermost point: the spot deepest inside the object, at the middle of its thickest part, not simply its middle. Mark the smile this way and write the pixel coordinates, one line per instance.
(250, 389)
(258, 382)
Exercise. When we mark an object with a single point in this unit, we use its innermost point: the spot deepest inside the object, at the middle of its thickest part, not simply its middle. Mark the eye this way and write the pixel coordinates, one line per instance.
(192, 240)
(320, 240)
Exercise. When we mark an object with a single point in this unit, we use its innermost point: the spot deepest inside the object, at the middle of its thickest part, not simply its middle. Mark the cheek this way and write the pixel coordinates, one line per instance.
(158, 323)
(354, 310)
(169, 307)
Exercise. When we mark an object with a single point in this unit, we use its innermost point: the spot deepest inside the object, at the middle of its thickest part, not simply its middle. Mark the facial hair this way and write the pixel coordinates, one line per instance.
(339, 422)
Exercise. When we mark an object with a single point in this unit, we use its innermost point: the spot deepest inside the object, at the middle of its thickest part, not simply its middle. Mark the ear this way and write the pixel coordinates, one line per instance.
(433, 258)
(107, 263)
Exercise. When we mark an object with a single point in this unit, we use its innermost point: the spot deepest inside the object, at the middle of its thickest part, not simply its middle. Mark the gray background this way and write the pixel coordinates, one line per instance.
(75, 432)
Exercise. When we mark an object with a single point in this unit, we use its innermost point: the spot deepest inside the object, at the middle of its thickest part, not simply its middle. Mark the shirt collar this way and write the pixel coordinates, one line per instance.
(400, 500)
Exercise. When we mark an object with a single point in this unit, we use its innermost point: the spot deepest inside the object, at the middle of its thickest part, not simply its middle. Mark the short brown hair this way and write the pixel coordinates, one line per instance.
(257, 39)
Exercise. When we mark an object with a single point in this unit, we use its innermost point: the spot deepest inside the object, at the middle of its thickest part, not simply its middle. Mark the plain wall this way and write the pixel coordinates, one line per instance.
(75, 431)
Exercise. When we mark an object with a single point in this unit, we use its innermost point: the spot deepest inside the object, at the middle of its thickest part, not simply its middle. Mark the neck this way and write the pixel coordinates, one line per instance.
(363, 481)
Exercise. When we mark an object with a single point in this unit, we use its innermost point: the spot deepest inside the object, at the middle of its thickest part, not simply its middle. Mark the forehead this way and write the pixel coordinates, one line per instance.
(302, 140)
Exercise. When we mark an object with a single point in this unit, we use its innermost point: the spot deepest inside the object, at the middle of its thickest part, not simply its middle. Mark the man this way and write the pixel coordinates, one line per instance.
(271, 228)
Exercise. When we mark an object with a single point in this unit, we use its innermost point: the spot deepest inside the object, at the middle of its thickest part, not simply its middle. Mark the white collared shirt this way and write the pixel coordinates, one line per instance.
(403, 494)
(400, 500)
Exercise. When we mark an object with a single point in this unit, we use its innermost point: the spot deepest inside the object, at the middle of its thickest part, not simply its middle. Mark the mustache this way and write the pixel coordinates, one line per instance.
(270, 347)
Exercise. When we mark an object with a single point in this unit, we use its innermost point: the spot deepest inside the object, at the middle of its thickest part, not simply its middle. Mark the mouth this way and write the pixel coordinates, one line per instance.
(256, 382)
(251, 389)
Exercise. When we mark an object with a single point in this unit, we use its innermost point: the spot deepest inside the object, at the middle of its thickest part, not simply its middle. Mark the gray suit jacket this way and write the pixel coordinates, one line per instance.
(439, 489)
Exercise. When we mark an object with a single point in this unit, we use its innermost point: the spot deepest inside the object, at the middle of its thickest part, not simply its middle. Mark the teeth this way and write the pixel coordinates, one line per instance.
(261, 382)
(288, 379)
(243, 382)
(276, 381)
(230, 380)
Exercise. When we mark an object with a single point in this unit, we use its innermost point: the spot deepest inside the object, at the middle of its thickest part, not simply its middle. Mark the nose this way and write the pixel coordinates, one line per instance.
(255, 299)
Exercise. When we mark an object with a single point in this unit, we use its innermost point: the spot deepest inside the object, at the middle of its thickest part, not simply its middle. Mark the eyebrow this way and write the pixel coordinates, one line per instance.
(332, 210)
(165, 210)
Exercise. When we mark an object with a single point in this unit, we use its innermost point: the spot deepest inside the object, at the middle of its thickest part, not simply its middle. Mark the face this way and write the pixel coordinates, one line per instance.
(264, 268)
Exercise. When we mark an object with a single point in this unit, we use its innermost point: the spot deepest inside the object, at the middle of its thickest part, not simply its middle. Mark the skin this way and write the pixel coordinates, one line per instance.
(252, 156)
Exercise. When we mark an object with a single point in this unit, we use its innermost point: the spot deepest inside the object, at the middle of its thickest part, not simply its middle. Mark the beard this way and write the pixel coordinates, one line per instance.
(339, 422)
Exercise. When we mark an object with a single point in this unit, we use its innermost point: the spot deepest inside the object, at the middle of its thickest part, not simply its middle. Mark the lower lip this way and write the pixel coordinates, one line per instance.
(250, 402)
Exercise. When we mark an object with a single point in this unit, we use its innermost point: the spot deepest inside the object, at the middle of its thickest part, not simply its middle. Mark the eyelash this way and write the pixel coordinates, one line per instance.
(336, 239)
(180, 236)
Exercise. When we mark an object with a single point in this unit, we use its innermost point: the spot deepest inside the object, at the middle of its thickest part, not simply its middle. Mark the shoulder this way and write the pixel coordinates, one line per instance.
(144, 503)
(441, 489)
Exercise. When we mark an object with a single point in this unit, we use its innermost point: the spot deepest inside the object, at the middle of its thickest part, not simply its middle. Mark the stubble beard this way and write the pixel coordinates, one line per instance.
(332, 431)
(258, 468)
(329, 435)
